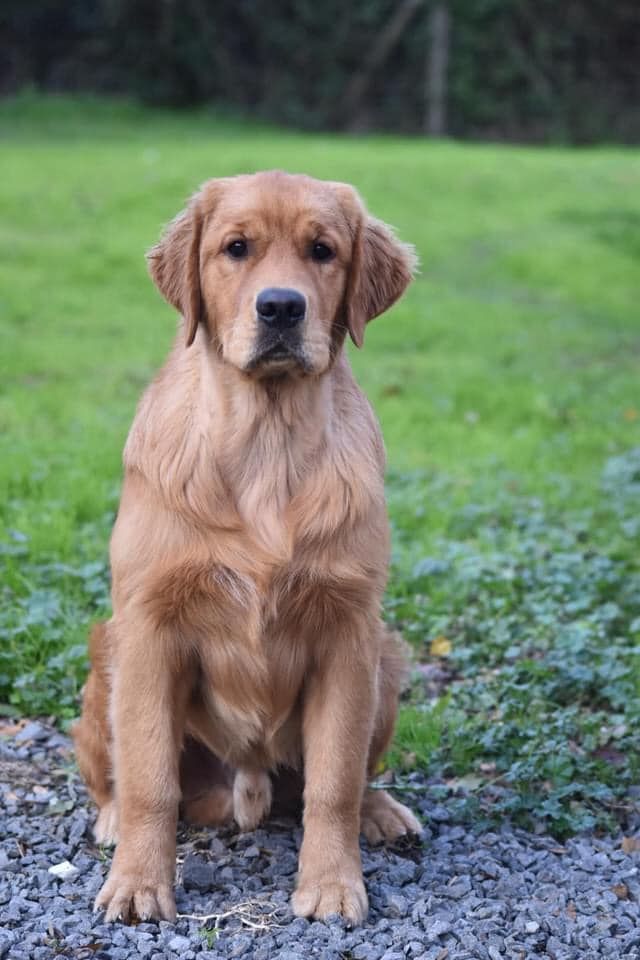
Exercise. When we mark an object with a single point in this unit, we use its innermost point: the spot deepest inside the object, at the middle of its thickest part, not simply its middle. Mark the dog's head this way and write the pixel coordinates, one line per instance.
(278, 267)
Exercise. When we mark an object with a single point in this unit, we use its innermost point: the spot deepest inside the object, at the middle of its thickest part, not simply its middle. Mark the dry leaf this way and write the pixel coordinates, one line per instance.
(440, 647)
(630, 844)
(621, 891)
(9, 728)
(610, 755)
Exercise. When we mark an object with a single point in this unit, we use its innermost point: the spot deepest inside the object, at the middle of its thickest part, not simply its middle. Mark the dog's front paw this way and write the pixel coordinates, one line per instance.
(341, 892)
(126, 896)
(251, 798)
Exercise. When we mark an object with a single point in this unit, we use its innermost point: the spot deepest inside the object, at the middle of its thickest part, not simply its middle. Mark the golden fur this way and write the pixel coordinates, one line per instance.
(249, 556)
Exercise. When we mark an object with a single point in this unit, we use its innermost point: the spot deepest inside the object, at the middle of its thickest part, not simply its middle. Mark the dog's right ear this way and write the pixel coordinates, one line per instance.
(174, 265)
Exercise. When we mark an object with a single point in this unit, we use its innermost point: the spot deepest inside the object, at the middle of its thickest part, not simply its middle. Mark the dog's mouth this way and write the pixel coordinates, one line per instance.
(278, 356)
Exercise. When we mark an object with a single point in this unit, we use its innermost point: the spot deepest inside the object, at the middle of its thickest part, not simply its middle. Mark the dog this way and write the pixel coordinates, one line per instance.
(250, 552)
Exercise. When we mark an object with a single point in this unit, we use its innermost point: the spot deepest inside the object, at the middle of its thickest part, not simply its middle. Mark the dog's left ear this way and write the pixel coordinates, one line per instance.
(381, 267)
(174, 265)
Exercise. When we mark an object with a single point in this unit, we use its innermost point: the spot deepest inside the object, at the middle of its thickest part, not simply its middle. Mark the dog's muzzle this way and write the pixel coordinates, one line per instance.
(280, 313)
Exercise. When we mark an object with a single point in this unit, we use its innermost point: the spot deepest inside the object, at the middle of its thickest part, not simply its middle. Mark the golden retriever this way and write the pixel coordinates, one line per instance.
(250, 551)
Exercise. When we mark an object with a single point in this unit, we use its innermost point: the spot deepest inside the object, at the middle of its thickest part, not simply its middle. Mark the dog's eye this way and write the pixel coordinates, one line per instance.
(321, 252)
(238, 249)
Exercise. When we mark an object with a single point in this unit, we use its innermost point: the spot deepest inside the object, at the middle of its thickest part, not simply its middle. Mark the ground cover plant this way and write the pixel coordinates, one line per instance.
(506, 383)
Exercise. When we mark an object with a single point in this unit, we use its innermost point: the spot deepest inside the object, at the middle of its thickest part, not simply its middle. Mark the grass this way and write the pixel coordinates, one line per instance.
(507, 386)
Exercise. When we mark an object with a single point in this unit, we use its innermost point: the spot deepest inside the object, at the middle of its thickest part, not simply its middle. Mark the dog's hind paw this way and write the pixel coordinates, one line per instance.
(105, 830)
(384, 819)
(252, 796)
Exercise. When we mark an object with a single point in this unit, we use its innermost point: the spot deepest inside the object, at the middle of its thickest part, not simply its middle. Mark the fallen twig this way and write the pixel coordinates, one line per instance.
(247, 912)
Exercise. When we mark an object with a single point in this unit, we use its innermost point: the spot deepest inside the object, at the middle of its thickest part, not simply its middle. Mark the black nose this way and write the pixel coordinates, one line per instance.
(280, 308)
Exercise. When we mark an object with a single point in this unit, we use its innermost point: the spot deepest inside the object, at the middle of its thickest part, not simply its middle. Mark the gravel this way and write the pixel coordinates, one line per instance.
(463, 894)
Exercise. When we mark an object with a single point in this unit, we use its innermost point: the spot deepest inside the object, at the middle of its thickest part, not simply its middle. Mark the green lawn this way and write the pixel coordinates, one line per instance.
(507, 386)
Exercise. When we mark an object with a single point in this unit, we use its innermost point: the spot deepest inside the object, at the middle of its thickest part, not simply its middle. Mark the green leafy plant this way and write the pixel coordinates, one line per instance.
(542, 616)
(505, 380)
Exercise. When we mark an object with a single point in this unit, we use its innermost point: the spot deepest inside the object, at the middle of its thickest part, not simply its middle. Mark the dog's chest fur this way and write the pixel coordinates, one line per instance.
(278, 537)
(287, 597)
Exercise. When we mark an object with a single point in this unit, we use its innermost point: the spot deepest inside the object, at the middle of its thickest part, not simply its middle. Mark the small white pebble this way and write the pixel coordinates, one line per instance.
(532, 926)
(64, 870)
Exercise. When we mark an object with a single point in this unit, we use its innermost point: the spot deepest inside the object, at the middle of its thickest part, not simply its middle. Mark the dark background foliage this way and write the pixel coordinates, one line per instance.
(515, 69)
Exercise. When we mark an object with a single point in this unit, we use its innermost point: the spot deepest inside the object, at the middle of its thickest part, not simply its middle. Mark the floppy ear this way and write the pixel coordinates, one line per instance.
(381, 269)
(174, 265)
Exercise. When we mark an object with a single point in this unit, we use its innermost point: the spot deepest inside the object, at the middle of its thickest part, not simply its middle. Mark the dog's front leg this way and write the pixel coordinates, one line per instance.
(150, 690)
(337, 725)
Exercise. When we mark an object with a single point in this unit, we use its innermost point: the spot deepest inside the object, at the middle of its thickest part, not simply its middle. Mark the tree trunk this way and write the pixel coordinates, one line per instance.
(382, 47)
(437, 63)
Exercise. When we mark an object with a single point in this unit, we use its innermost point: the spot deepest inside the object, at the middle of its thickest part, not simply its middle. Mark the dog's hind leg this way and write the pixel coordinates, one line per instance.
(92, 736)
(381, 817)
(206, 786)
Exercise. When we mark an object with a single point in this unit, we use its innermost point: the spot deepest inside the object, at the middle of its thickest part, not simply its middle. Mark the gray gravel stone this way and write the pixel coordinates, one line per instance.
(397, 904)
(439, 813)
(32, 731)
(198, 874)
(437, 929)
(366, 951)
(402, 872)
(7, 939)
(479, 896)
(179, 944)
(239, 946)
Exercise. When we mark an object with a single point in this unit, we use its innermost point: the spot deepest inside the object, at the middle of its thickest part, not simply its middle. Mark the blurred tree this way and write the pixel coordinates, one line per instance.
(437, 68)
(494, 68)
